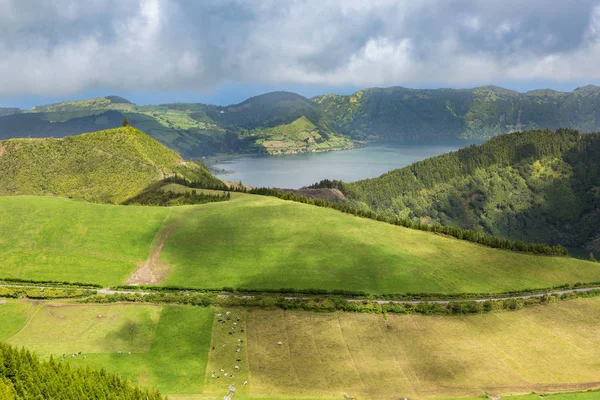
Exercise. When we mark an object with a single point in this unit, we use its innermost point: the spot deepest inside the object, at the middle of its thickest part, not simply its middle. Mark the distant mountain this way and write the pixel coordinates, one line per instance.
(192, 129)
(109, 166)
(396, 113)
(421, 114)
(534, 186)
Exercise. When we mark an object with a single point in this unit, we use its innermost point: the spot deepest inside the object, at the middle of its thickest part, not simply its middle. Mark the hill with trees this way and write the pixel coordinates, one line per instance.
(24, 377)
(535, 186)
(399, 113)
(109, 166)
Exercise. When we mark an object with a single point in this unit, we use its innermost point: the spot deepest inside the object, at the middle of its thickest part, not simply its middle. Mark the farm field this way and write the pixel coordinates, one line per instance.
(258, 242)
(322, 355)
(545, 349)
(168, 345)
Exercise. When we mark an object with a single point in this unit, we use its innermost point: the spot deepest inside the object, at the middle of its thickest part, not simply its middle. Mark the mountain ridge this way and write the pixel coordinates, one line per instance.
(394, 113)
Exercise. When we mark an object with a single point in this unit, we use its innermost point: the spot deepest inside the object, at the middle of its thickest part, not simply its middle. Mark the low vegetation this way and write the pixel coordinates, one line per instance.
(259, 242)
(322, 355)
(110, 166)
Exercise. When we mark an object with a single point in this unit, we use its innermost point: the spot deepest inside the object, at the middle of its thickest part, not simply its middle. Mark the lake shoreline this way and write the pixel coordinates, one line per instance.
(294, 171)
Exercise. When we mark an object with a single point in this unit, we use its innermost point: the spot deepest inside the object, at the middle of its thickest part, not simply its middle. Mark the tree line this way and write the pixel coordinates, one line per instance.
(23, 376)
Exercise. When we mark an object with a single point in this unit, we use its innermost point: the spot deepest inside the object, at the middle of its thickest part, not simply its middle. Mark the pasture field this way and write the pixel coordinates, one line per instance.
(50, 238)
(168, 345)
(264, 242)
(176, 348)
(257, 242)
(547, 349)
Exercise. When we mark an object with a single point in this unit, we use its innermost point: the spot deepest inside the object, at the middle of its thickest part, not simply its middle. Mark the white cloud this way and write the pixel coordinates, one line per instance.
(67, 46)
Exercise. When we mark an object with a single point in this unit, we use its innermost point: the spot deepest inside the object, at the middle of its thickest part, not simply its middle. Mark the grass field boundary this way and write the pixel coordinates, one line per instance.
(359, 295)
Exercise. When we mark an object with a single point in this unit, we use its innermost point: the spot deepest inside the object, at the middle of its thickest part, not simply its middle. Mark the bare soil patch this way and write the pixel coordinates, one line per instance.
(153, 271)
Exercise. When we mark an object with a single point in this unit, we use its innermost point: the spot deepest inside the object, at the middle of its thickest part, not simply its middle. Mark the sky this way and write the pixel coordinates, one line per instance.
(223, 51)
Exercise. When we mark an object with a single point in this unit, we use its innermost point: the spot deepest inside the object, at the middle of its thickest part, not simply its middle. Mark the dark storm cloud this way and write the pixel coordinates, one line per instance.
(66, 46)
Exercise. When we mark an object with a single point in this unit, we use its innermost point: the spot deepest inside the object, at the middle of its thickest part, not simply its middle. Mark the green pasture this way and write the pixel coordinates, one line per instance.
(264, 242)
(49, 238)
(321, 355)
(258, 242)
(168, 345)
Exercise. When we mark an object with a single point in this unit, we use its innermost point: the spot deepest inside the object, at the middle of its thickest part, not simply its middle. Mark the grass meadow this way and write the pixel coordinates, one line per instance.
(264, 242)
(50, 238)
(259, 242)
(168, 345)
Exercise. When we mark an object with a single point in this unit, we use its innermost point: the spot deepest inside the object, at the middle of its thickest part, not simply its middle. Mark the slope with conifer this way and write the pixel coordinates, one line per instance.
(109, 166)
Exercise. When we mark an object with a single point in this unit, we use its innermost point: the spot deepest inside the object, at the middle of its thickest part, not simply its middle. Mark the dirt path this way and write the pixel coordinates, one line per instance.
(154, 271)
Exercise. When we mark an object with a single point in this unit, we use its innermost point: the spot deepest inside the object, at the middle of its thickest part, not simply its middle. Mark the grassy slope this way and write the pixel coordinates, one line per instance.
(106, 166)
(262, 242)
(254, 241)
(169, 344)
(59, 239)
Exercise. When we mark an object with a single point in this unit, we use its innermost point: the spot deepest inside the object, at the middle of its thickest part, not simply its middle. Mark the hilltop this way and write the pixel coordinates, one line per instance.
(535, 185)
(109, 166)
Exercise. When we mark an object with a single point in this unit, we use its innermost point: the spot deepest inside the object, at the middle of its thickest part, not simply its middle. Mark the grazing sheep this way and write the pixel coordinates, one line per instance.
(222, 370)
(236, 367)
(245, 383)
(279, 343)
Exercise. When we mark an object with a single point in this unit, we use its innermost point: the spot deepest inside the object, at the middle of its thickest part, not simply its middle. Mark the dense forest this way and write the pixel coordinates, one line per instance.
(534, 186)
(399, 113)
(24, 377)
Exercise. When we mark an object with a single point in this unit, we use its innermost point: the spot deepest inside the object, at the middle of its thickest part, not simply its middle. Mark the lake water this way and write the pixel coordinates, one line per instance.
(297, 170)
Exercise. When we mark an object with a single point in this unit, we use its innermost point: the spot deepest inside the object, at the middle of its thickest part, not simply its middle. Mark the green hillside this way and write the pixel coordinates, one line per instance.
(399, 113)
(108, 166)
(298, 136)
(257, 242)
(534, 186)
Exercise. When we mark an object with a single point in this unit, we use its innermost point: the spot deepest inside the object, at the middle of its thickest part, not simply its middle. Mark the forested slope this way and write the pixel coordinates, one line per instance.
(399, 113)
(108, 166)
(533, 186)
